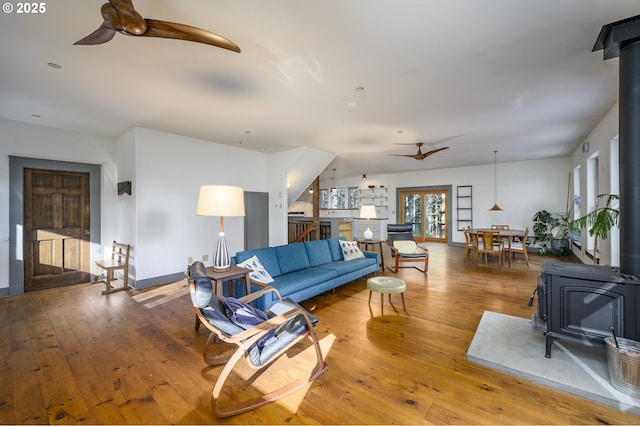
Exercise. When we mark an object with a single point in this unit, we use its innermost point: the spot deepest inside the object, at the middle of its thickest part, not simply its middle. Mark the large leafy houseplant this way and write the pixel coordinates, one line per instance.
(599, 221)
(551, 230)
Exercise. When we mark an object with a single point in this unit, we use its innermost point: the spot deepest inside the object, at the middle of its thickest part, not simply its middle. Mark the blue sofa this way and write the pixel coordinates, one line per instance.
(306, 269)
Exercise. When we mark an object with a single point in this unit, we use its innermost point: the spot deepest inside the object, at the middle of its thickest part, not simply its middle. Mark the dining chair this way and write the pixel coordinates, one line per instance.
(514, 247)
(488, 243)
(468, 244)
(499, 227)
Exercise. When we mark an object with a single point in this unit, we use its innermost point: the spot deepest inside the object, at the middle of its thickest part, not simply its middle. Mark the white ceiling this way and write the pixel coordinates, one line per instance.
(516, 76)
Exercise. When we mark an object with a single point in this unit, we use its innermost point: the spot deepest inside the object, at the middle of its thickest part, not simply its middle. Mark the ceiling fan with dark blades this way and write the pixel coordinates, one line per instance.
(420, 155)
(121, 16)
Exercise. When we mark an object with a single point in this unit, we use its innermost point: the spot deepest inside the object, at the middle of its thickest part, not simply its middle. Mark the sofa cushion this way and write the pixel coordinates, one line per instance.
(267, 257)
(334, 246)
(299, 280)
(292, 257)
(318, 252)
(342, 267)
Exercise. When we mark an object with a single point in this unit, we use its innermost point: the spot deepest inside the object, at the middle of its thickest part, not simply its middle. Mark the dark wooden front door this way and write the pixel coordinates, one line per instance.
(56, 228)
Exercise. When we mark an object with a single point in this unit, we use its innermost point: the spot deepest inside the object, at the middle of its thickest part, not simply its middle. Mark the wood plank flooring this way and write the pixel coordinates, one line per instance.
(72, 355)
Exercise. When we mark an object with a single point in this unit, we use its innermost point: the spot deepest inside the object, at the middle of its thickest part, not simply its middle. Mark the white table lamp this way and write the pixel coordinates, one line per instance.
(221, 200)
(368, 212)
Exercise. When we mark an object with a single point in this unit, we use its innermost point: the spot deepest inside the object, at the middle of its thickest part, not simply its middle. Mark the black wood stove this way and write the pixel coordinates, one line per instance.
(580, 303)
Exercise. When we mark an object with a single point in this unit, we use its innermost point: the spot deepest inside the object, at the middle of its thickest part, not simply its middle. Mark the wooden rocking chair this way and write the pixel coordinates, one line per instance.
(288, 322)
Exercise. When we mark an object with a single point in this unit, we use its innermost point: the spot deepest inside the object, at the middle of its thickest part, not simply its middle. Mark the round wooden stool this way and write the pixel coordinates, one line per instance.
(388, 285)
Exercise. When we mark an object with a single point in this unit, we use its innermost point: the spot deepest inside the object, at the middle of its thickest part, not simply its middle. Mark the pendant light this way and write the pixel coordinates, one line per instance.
(333, 186)
(495, 207)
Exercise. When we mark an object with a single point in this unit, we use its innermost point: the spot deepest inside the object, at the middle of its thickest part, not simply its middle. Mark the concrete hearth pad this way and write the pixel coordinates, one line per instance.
(512, 346)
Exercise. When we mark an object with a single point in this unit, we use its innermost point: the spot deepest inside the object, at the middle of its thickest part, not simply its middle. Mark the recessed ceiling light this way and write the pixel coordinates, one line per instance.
(353, 105)
(359, 89)
(54, 65)
(35, 115)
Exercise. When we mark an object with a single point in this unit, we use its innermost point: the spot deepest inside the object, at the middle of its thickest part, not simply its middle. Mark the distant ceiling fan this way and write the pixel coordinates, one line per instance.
(121, 16)
(420, 155)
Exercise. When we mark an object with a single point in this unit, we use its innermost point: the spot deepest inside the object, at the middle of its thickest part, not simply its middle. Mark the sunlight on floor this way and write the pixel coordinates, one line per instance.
(294, 364)
(293, 401)
(158, 296)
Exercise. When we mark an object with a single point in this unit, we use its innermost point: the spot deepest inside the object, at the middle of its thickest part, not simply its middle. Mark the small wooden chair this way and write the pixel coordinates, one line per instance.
(119, 261)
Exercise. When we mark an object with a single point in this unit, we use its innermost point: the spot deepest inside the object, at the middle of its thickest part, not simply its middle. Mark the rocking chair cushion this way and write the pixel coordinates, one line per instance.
(216, 314)
(246, 316)
(286, 333)
(408, 249)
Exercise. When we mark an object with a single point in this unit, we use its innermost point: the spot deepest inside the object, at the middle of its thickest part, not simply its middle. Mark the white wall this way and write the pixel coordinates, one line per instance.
(33, 141)
(169, 171)
(523, 188)
(599, 140)
(125, 208)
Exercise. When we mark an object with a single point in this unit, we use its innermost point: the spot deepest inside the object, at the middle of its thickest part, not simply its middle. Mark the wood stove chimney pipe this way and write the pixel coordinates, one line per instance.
(622, 39)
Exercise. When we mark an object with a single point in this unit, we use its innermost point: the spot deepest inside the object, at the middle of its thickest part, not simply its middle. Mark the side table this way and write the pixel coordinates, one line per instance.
(366, 243)
(219, 277)
(234, 272)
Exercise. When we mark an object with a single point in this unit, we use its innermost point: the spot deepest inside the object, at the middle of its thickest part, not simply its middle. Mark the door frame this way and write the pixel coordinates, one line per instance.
(16, 210)
(447, 188)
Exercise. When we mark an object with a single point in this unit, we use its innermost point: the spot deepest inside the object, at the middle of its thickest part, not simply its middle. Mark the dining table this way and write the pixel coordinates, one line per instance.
(507, 235)
(503, 232)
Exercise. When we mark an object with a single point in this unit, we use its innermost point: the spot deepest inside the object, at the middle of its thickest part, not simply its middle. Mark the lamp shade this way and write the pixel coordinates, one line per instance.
(220, 200)
(368, 212)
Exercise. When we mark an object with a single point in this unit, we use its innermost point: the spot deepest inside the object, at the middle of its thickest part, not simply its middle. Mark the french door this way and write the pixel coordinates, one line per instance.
(427, 211)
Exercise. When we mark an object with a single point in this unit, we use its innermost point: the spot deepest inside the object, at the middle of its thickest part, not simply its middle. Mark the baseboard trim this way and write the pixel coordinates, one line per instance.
(156, 281)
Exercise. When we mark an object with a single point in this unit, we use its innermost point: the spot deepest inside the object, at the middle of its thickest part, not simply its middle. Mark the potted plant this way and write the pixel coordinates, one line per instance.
(599, 221)
(551, 230)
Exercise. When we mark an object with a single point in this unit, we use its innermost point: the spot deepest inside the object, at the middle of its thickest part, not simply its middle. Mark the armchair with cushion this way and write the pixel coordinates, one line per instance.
(260, 337)
(404, 248)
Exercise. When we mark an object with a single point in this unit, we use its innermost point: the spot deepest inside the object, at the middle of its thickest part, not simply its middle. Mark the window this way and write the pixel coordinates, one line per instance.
(592, 193)
(614, 235)
(338, 198)
(427, 211)
(576, 191)
(354, 200)
(324, 198)
(577, 202)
